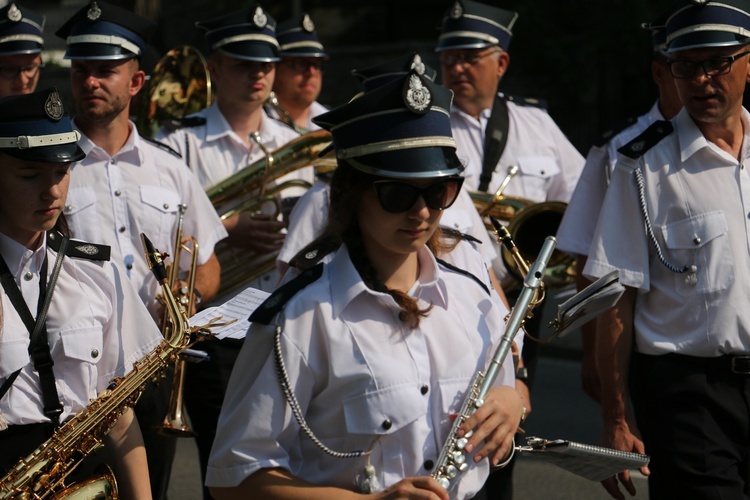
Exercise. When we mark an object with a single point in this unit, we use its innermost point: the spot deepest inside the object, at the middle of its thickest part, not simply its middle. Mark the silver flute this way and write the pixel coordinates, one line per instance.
(452, 460)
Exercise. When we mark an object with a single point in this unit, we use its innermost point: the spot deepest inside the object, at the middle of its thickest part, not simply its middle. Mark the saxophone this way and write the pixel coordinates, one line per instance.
(44, 473)
(452, 460)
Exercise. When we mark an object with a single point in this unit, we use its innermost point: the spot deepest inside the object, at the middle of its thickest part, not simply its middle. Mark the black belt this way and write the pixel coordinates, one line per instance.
(738, 364)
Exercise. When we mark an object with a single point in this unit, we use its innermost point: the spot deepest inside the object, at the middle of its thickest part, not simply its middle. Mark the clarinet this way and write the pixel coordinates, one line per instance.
(452, 459)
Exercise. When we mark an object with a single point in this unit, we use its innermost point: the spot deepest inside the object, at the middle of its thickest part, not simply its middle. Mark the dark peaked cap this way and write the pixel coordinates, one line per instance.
(103, 31)
(401, 129)
(245, 34)
(34, 127)
(702, 23)
(474, 25)
(20, 30)
(297, 38)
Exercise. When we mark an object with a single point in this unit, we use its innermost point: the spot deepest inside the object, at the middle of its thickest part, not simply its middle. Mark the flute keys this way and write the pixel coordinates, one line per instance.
(444, 482)
(458, 457)
(451, 471)
(461, 443)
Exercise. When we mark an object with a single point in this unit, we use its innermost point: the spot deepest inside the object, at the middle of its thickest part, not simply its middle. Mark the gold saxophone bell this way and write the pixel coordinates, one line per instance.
(529, 224)
(254, 186)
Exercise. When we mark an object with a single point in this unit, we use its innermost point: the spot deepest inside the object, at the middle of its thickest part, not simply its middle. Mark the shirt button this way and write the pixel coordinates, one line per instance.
(68, 208)
(112, 161)
(118, 193)
(387, 424)
(129, 266)
(94, 353)
(429, 464)
(28, 276)
(697, 240)
(424, 389)
(122, 229)
(166, 206)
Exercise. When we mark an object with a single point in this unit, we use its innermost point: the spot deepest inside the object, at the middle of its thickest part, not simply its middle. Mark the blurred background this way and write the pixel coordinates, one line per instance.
(589, 59)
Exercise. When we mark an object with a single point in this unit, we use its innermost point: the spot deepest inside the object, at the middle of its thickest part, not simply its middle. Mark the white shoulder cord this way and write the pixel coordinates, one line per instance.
(690, 279)
(370, 482)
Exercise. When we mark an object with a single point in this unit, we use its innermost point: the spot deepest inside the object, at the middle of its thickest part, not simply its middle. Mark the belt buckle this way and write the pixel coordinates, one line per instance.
(741, 365)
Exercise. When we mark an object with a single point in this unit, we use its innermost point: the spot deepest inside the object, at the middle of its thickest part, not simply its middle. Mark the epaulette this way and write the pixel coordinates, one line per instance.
(165, 147)
(464, 272)
(278, 299)
(313, 253)
(78, 249)
(609, 134)
(524, 101)
(647, 140)
(455, 233)
(187, 122)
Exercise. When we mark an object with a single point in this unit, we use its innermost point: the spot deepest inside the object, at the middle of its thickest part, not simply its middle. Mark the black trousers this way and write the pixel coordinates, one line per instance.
(205, 385)
(694, 417)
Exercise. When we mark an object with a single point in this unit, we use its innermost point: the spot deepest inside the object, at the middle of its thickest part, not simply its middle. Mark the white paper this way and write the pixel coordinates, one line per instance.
(235, 311)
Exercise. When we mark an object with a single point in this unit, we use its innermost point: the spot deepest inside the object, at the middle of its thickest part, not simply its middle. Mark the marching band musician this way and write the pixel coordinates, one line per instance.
(96, 326)
(127, 185)
(379, 344)
(216, 143)
(21, 44)
(299, 73)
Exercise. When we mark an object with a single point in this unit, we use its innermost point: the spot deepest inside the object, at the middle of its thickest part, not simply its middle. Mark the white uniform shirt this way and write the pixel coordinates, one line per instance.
(310, 215)
(112, 200)
(214, 151)
(579, 222)
(97, 328)
(353, 366)
(549, 164)
(698, 197)
(315, 109)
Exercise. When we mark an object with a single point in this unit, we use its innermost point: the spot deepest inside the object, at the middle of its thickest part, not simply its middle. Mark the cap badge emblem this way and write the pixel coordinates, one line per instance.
(457, 10)
(94, 12)
(14, 13)
(417, 64)
(308, 24)
(88, 249)
(259, 18)
(417, 96)
(54, 106)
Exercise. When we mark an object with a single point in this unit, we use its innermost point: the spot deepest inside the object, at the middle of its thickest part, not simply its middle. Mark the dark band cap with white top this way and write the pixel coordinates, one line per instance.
(101, 31)
(248, 34)
(696, 24)
(20, 30)
(297, 38)
(401, 130)
(474, 25)
(34, 127)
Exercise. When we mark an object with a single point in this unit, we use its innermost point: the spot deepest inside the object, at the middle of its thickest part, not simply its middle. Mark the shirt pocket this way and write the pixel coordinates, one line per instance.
(538, 173)
(702, 241)
(80, 209)
(82, 350)
(386, 411)
(160, 206)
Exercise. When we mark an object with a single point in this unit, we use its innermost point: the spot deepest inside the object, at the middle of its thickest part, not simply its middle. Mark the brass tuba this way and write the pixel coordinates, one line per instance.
(179, 85)
(529, 224)
(255, 186)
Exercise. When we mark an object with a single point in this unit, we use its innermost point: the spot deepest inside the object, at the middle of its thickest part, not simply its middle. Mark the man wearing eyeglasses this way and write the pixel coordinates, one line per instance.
(675, 224)
(21, 45)
(299, 74)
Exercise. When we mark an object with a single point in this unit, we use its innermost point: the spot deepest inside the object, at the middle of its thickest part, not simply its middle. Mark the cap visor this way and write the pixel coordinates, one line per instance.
(252, 51)
(459, 42)
(701, 39)
(19, 47)
(64, 153)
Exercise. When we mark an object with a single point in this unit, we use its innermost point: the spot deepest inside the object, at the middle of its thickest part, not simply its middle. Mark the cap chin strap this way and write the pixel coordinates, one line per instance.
(37, 141)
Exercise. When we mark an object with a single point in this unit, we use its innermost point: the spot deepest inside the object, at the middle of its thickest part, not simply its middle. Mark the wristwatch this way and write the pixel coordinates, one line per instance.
(523, 374)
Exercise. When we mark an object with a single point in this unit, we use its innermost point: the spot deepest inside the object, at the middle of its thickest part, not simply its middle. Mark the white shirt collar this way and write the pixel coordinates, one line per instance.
(130, 151)
(17, 255)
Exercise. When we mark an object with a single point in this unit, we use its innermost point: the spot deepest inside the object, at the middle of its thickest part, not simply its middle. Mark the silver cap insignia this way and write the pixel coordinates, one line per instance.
(457, 10)
(418, 97)
(54, 106)
(308, 24)
(417, 64)
(259, 18)
(14, 13)
(94, 12)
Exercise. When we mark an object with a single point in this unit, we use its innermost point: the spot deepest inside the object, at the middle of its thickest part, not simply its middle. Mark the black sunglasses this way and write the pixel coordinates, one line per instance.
(400, 196)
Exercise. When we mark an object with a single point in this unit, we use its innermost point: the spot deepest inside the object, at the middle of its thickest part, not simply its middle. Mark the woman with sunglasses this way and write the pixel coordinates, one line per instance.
(350, 372)
(79, 311)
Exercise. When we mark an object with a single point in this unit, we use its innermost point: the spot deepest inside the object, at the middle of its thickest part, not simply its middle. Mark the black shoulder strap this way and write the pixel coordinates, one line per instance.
(464, 272)
(162, 146)
(647, 139)
(458, 235)
(278, 299)
(495, 139)
(79, 249)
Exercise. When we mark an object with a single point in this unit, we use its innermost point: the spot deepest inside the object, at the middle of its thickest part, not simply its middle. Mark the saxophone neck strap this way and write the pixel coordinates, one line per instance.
(495, 139)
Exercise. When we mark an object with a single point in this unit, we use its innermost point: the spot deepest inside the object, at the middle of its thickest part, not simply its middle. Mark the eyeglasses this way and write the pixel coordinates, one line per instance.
(464, 58)
(12, 72)
(399, 196)
(716, 66)
(305, 65)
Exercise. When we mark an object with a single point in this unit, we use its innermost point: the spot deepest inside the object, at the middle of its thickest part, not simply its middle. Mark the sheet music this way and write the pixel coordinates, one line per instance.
(235, 311)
